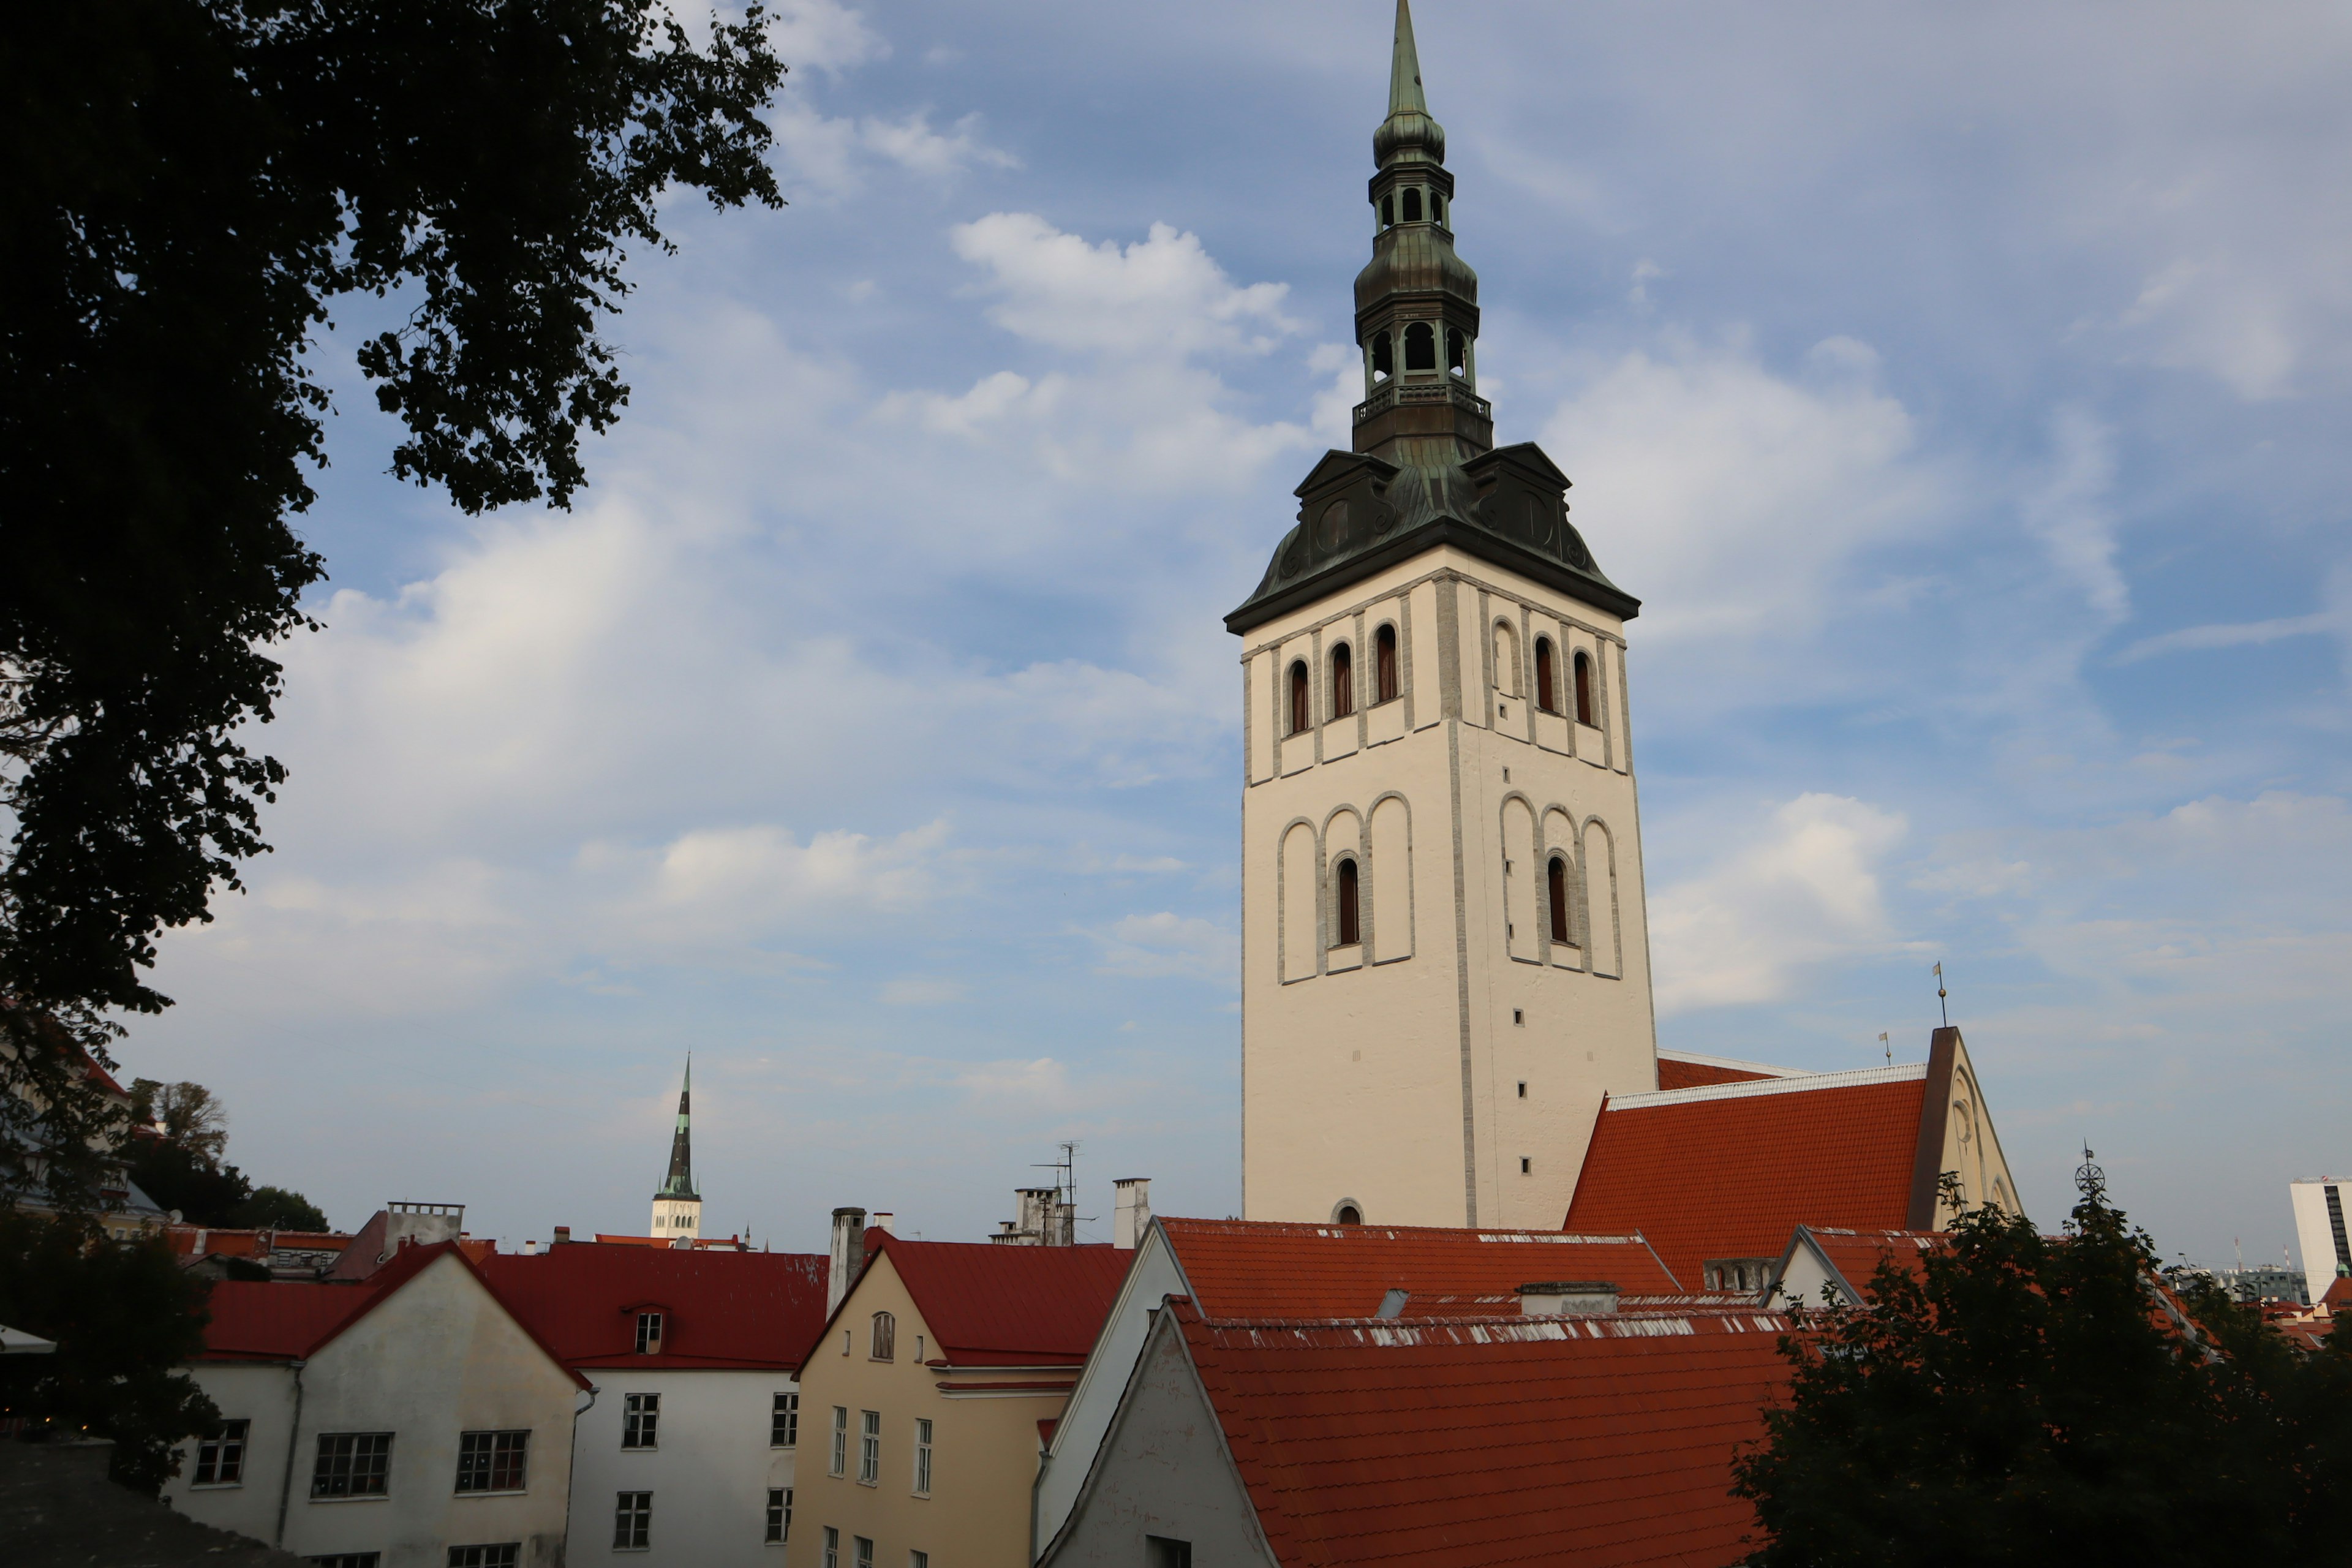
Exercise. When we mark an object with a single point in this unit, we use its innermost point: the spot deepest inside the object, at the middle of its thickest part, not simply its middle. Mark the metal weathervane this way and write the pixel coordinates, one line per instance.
(1940, 994)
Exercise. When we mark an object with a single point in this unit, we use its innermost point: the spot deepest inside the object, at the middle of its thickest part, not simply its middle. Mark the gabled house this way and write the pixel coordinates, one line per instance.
(1601, 1440)
(1246, 1268)
(1834, 1265)
(414, 1420)
(923, 1401)
(685, 1452)
(1719, 1175)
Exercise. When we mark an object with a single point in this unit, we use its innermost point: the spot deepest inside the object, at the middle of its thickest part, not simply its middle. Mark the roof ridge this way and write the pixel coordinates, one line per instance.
(1676, 1054)
(1803, 1083)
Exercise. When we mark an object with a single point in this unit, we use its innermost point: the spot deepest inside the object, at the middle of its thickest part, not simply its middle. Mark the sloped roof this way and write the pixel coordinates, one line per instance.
(719, 1309)
(1731, 1170)
(1602, 1441)
(1688, 1069)
(989, 1305)
(1852, 1256)
(1260, 1268)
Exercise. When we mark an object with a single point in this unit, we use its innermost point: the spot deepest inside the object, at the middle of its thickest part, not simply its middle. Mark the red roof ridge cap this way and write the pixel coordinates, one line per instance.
(1806, 1083)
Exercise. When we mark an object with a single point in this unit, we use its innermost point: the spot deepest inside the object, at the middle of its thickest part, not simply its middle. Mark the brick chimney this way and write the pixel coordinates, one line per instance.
(849, 1256)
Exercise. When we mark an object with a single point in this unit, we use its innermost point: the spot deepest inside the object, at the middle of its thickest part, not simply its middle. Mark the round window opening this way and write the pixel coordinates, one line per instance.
(1331, 533)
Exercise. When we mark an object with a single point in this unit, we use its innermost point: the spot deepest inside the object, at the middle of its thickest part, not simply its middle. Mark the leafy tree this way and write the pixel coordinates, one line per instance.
(203, 1192)
(275, 1209)
(125, 1317)
(187, 1114)
(192, 188)
(2033, 1400)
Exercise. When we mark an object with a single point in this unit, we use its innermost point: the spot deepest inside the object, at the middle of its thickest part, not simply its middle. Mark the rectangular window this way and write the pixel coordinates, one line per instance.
(346, 1559)
(351, 1464)
(922, 1458)
(220, 1456)
(864, 1552)
(640, 1420)
(492, 1462)
(831, 1547)
(633, 1521)
(506, 1554)
(784, 1422)
(1160, 1552)
(869, 1447)
(649, 1333)
(918, 1560)
(779, 1514)
(840, 1441)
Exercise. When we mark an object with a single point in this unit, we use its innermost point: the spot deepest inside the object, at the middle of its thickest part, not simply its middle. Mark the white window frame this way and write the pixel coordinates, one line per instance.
(640, 1421)
(922, 1456)
(223, 1448)
(779, 1530)
(785, 1406)
(840, 1440)
(869, 1447)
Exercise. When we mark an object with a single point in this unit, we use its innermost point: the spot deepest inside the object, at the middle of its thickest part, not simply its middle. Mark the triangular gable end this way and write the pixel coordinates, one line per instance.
(1956, 1135)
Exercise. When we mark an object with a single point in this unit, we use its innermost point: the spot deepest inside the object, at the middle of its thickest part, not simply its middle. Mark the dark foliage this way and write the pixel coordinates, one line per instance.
(125, 1317)
(180, 1178)
(2037, 1400)
(189, 185)
(275, 1209)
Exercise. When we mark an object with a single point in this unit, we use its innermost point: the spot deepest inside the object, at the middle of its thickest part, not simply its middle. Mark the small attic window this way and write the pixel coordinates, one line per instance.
(649, 1333)
(884, 1345)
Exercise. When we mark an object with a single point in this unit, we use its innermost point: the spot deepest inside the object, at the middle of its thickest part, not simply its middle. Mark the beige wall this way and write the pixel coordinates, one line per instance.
(1388, 1073)
(1971, 1147)
(984, 1446)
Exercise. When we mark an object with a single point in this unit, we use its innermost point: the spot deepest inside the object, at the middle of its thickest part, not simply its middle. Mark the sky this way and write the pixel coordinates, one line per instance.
(1963, 391)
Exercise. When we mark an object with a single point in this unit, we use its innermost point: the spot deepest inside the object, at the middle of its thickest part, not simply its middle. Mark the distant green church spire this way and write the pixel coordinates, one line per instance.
(681, 1147)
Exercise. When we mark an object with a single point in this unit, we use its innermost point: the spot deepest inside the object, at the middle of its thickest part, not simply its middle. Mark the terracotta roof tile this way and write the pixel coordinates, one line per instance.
(1732, 1171)
(723, 1309)
(991, 1305)
(1604, 1442)
(1855, 1254)
(1688, 1069)
(1257, 1268)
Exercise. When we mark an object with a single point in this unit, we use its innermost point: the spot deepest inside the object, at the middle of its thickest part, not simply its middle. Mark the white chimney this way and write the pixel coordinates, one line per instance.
(423, 1224)
(1133, 1213)
(1554, 1298)
(849, 1256)
(529, 1248)
(884, 1220)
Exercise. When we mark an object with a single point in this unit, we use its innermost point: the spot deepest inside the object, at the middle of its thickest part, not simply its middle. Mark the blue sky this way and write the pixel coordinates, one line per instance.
(1962, 390)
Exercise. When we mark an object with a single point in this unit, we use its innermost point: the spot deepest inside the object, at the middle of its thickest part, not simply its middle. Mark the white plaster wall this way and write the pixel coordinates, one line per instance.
(709, 1474)
(1354, 1078)
(262, 1396)
(1154, 1276)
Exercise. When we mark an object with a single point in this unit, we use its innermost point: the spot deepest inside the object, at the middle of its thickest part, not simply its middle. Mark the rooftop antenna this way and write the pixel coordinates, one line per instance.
(1947, 1012)
(1886, 1047)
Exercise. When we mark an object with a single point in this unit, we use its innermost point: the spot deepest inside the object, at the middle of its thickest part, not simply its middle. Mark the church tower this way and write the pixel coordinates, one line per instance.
(1445, 949)
(677, 1207)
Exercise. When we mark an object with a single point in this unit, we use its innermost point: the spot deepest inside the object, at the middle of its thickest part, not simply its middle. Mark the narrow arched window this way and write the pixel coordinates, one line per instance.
(886, 1338)
(1437, 207)
(1583, 689)
(1383, 355)
(1556, 891)
(1348, 1214)
(1546, 688)
(1420, 346)
(1457, 351)
(1301, 715)
(1343, 682)
(1388, 212)
(1411, 206)
(1506, 660)
(1384, 663)
(1348, 925)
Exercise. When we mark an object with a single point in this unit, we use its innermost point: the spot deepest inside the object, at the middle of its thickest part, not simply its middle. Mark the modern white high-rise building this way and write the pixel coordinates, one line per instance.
(2319, 1231)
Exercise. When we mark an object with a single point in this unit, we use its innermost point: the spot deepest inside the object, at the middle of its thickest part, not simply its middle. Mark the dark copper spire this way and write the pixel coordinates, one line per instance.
(680, 1184)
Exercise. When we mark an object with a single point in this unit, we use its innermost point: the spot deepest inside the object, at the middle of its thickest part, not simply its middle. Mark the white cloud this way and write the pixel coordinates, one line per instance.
(2073, 512)
(1161, 297)
(2336, 620)
(821, 35)
(1151, 946)
(1806, 891)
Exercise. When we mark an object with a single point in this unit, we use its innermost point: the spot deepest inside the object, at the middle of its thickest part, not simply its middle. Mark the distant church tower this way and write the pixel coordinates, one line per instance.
(677, 1207)
(1445, 951)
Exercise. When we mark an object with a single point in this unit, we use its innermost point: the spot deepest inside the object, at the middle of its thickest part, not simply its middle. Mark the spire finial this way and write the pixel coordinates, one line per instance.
(1404, 70)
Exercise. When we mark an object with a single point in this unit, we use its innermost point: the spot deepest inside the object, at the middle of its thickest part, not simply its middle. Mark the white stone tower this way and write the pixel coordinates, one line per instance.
(1446, 954)
(677, 1207)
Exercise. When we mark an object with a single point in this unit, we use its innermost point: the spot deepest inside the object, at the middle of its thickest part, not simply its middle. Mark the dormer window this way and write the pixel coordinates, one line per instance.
(1343, 682)
(884, 1344)
(1412, 204)
(649, 1333)
(1301, 716)
(1420, 346)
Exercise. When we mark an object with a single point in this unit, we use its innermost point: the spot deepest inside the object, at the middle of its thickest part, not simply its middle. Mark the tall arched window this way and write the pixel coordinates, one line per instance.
(1420, 346)
(1412, 204)
(1384, 663)
(1437, 207)
(1556, 893)
(1547, 686)
(1506, 660)
(1388, 212)
(886, 1338)
(1383, 356)
(1301, 715)
(1347, 927)
(1343, 682)
(1458, 352)
(1583, 689)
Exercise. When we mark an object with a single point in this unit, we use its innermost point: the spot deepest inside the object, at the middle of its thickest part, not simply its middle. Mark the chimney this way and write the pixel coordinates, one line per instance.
(884, 1220)
(849, 1256)
(1562, 1296)
(423, 1224)
(1392, 1304)
(562, 1236)
(1133, 1212)
(529, 1248)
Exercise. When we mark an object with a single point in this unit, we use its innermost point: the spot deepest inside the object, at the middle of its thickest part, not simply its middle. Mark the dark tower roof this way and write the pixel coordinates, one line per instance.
(1425, 470)
(681, 1146)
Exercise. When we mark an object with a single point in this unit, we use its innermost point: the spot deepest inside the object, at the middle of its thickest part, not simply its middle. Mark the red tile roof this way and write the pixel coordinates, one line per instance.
(1257, 1268)
(1731, 1171)
(1853, 1255)
(1688, 1069)
(989, 1305)
(1605, 1442)
(721, 1308)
